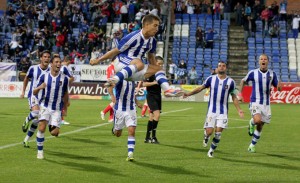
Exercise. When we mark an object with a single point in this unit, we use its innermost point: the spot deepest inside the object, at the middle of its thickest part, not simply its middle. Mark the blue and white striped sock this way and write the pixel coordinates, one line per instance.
(215, 141)
(40, 138)
(31, 130)
(162, 80)
(32, 115)
(125, 73)
(131, 144)
(255, 138)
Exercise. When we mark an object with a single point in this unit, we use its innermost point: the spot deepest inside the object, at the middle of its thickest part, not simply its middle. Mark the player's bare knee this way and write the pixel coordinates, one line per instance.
(209, 131)
(54, 130)
(138, 63)
(118, 133)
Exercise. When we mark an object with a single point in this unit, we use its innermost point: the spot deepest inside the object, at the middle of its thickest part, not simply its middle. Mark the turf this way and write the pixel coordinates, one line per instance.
(86, 151)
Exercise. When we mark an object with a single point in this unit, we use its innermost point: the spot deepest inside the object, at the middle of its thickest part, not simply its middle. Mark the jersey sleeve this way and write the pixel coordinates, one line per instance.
(41, 80)
(29, 73)
(207, 82)
(66, 71)
(249, 77)
(126, 42)
(275, 80)
(232, 87)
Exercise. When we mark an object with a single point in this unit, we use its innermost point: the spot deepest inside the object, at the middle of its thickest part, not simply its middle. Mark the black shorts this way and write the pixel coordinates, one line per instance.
(154, 102)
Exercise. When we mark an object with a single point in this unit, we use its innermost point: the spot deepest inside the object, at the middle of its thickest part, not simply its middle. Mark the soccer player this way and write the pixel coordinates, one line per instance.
(125, 113)
(33, 74)
(55, 99)
(154, 103)
(221, 86)
(66, 70)
(130, 53)
(110, 72)
(262, 79)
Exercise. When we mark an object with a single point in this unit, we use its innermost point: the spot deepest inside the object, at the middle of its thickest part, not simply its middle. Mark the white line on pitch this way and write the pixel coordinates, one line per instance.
(83, 129)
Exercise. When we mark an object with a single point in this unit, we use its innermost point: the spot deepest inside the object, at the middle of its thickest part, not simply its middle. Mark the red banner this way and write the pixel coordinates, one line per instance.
(290, 94)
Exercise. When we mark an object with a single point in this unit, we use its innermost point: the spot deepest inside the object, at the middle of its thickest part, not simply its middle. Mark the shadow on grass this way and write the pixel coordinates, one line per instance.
(169, 170)
(186, 148)
(87, 167)
(89, 141)
(267, 165)
(71, 156)
(282, 156)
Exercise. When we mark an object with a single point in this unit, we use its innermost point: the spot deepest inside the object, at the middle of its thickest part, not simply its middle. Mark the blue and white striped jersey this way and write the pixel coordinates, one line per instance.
(261, 85)
(34, 72)
(219, 93)
(125, 97)
(134, 45)
(66, 70)
(55, 90)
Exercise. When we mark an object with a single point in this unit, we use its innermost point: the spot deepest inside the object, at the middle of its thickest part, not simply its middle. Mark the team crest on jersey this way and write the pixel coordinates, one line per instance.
(226, 87)
(60, 83)
(270, 78)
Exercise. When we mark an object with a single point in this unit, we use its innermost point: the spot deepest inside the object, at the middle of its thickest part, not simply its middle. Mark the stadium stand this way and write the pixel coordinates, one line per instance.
(184, 42)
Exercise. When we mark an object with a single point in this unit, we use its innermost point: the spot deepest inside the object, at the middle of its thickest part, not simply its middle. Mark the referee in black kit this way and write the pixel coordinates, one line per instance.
(154, 104)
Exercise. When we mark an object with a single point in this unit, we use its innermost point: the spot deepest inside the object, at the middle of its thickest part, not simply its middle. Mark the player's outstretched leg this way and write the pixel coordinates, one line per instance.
(161, 79)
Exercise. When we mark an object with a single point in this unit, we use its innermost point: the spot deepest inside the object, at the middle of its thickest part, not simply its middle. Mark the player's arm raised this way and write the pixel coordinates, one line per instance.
(25, 83)
(195, 91)
(109, 55)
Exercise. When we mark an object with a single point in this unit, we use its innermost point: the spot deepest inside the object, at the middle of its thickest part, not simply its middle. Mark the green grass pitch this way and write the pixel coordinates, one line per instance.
(86, 151)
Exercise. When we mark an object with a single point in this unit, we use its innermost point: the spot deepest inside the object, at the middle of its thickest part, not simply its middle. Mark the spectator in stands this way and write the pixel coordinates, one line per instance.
(274, 31)
(239, 13)
(136, 26)
(257, 9)
(193, 76)
(265, 19)
(282, 10)
(79, 60)
(204, 7)
(182, 72)
(139, 15)
(210, 38)
(190, 7)
(117, 10)
(5, 23)
(164, 11)
(199, 38)
(172, 71)
(24, 64)
(124, 14)
(60, 41)
(275, 10)
(249, 28)
(247, 9)
(131, 11)
(295, 26)
(217, 10)
(227, 10)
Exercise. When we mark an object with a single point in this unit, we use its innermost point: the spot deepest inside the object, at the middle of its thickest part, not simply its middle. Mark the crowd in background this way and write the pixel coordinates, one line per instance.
(76, 27)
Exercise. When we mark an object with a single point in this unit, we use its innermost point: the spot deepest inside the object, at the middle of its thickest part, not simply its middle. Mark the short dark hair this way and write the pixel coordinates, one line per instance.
(150, 18)
(45, 51)
(158, 58)
(53, 57)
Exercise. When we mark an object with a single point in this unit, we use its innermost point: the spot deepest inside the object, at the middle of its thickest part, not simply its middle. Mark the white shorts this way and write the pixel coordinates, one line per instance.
(216, 120)
(52, 116)
(139, 76)
(263, 110)
(124, 118)
(33, 101)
